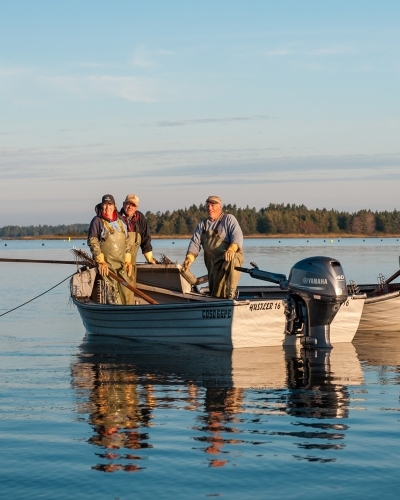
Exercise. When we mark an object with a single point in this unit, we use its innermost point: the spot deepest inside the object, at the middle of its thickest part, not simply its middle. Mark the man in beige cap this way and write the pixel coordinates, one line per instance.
(222, 240)
(138, 232)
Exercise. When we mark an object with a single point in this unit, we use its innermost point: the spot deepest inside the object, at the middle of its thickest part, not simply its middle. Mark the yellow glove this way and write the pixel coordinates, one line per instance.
(149, 257)
(188, 261)
(128, 264)
(102, 265)
(230, 252)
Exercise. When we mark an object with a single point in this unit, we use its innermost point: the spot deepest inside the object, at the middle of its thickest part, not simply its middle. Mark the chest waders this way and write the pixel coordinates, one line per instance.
(113, 249)
(134, 240)
(222, 276)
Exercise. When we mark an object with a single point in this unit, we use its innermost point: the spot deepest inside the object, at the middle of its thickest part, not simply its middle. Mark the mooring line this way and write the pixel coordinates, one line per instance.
(34, 298)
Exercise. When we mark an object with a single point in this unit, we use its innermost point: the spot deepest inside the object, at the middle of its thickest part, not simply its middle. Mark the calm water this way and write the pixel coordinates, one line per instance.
(113, 419)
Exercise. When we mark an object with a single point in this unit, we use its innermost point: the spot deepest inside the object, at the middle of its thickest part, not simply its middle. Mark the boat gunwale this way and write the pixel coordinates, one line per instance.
(382, 298)
(89, 304)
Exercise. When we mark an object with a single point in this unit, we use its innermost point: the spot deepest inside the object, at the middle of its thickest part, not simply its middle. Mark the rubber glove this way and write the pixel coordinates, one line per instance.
(188, 261)
(102, 265)
(128, 264)
(149, 257)
(230, 252)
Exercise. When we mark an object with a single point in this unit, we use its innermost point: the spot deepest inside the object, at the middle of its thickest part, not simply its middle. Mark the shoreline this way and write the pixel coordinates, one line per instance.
(187, 237)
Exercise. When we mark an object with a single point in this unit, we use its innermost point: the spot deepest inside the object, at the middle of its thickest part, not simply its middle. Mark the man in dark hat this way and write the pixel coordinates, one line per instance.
(109, 244)
(222, 240)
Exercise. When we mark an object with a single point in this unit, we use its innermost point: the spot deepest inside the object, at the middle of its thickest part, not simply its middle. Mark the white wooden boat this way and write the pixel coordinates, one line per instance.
(381, 310)
(186, 314)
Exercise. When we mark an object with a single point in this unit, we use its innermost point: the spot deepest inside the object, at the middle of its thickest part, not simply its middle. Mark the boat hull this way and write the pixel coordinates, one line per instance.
(347, 320)
(219, 324)
(381, 313)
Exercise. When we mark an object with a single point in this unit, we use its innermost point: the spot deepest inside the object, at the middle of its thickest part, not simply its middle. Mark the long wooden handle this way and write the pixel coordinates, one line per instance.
(132, 288)
(393, 277)
(386, 282)
(37, 261)
(110, 273)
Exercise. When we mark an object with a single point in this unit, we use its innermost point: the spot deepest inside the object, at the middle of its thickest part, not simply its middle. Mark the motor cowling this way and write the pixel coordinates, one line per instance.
(318, 287)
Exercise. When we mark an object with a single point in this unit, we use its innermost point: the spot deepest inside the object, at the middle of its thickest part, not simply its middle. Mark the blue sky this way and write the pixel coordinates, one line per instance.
(256, 101)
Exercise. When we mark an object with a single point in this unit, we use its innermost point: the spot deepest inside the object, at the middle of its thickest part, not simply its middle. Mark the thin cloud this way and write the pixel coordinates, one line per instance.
(335, 50)
(134, 89)
(11, 72)
(164, 52)
(142, 58)
(168, 123)
(130, 88)
(183, 166)
(331, 51)
(303, 179)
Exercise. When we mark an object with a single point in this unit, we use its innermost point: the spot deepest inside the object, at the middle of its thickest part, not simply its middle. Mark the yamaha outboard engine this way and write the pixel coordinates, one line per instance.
(316, 289)
(320, 285)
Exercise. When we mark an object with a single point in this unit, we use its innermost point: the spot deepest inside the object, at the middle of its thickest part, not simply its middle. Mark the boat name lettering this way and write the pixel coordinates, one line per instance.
(216, 313)
(263, 306)
(315, 281)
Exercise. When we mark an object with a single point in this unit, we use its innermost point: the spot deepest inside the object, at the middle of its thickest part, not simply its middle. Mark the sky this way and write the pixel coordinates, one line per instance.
(256, 101)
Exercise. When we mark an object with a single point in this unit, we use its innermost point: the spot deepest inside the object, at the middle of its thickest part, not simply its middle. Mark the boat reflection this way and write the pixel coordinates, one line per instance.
(379, 349)
(120, 384)
(327, 375)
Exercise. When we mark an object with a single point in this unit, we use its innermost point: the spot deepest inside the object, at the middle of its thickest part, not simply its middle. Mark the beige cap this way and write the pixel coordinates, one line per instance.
(214, 200)
(132, 198)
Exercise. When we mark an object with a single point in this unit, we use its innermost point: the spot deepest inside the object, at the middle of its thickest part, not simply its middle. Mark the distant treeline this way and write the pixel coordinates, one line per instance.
(275, 219)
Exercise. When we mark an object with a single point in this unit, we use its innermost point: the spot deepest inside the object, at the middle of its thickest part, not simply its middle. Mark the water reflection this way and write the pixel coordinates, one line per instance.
(318, 380)
(377, 349)
(222, 405)
(121, 384)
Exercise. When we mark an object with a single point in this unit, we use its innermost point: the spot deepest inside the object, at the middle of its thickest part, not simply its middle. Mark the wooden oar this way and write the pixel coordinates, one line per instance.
(39, 261)
(92, 263)
(393, 277)
(132, 288)
(386, 282)
(84, 258)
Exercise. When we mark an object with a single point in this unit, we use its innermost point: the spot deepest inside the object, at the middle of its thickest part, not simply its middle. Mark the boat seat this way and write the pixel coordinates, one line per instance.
(164, 276)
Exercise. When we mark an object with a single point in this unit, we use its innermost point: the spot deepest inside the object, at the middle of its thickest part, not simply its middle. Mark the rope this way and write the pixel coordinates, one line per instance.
(24, 304)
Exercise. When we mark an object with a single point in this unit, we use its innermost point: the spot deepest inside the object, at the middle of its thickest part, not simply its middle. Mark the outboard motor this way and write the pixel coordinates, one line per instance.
(316, 289)
(320, 283)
